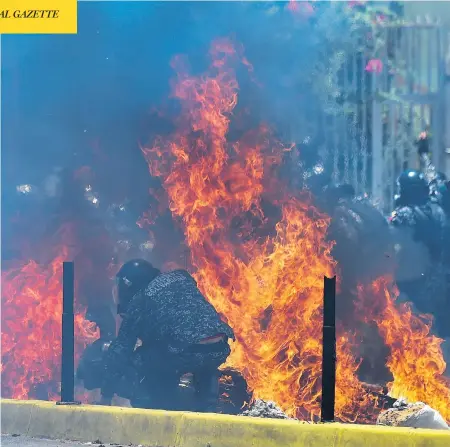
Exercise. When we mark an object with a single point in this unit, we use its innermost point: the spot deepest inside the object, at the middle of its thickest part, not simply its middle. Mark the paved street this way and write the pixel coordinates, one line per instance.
(21, 441)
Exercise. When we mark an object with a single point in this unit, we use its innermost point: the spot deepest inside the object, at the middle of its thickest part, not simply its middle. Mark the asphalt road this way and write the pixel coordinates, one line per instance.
(22, 441)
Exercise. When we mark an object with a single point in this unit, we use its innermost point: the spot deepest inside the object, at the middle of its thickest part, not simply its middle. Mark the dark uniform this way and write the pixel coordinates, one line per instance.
(415, 211)
(440, 193)
(180, 333)
(427, 223)
(420, 232)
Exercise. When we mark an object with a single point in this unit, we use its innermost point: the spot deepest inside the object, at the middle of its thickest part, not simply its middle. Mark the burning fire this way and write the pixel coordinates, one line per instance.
(31, 328)
(259, 252)
(262, 265)
(415, 359)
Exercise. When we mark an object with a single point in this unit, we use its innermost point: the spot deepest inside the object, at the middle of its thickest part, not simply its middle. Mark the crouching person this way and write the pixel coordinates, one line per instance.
(179, 333)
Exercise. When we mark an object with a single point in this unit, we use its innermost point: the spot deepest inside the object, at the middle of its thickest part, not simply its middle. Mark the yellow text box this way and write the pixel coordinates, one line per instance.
(38, 16)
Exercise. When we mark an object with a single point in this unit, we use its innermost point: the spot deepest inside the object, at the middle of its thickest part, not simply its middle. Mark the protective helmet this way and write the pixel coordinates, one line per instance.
(413, 187)
(132, 277)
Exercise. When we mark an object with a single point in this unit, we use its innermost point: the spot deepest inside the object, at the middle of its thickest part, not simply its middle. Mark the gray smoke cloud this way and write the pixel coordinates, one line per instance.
(87, 99)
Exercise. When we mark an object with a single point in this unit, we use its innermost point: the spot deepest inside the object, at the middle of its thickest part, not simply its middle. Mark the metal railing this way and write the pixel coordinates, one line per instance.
(366, 136)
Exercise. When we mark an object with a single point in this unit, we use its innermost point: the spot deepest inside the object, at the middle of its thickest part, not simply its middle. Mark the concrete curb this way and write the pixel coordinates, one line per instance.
(170, 429)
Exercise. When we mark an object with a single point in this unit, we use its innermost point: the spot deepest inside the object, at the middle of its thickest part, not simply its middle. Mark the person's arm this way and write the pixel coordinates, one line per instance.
(120, 350)
(402, 217)
(423, 143)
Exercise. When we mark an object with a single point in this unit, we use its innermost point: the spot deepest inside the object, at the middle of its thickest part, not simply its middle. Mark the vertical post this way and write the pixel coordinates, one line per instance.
(329, 350)
(68, 335)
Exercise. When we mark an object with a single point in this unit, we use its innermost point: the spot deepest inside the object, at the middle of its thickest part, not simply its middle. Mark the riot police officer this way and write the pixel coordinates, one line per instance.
(439, 191)
(179, 330)
(419, 226)
(416, 212)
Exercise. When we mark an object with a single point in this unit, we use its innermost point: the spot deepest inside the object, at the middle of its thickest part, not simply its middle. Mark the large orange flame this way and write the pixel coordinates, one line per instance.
(31, 327)
(415, 361)
(261, 266)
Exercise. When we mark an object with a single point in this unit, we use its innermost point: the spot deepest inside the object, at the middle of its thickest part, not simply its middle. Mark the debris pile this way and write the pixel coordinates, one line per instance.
(415, 415)
(265, 409)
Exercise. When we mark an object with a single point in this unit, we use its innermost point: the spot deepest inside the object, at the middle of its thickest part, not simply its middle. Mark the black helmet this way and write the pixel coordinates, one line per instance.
(411, 177)
(413, 187)
(132, 277)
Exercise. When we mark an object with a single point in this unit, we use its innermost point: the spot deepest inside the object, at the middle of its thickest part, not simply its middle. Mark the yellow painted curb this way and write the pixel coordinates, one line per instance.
(170, 429)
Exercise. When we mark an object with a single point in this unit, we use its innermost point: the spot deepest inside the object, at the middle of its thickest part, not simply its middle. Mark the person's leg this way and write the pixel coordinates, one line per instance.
(206, 384)
(159, 378)
(158, 391)
(204, 362)
(161, 373)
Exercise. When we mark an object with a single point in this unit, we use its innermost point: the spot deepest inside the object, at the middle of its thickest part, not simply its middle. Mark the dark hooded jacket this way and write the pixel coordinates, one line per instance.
(427, 222)
(171, 314)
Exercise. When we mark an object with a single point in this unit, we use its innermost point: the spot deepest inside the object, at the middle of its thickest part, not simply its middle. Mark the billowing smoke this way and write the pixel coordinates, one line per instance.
(93, 100)
(82, 105)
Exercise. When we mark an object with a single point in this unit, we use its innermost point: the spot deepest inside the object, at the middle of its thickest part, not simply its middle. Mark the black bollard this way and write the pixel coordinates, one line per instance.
(329, 350)
(68, 336)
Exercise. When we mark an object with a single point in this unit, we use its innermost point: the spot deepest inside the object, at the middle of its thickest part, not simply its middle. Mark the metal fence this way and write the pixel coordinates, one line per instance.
(385, 101)
(407, 98)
